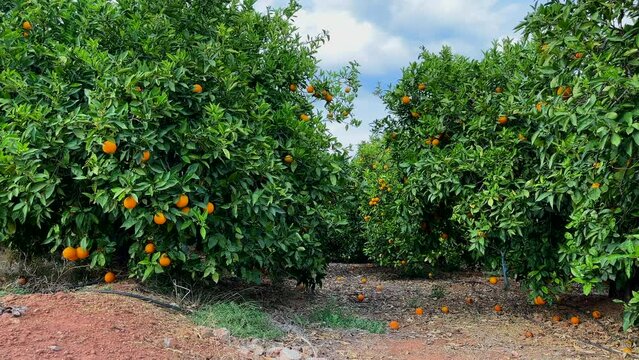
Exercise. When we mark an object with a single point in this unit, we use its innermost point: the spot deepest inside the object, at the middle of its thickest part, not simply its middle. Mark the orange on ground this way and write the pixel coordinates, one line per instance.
(146, 155)
(27, 25)
(405, 100)
(498, 308)
(539, 301)
(310, 89)
(575, 320)
(288, 159)
(445, 309)
(185, 210)
(109, 147)
(197, 88)
(421, 87)
(539, 106)
(419, 311)
(394, 325)
(292, 87)
(469, 300)
(165, 260)
(502, 120)
(556, 318)
(528, 334)
(596, 314)
(627, 350)
(159, 218)
(492, 280)
(129, 202)
(182, 201)
(109, 277)
(210, 208)
(360, 297)
(81, 253)
(70, 253)
(149, 248)
(363, 280)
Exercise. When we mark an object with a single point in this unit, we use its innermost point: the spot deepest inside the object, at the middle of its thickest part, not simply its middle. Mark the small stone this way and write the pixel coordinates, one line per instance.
(290, 354)
(256, 349)
(55, 348)
(167, 343)
(514, 354)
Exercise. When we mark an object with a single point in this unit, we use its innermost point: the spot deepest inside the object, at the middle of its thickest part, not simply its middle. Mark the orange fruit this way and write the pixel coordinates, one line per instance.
(567, 93)
(575, 320)
(328, 97)
(419, 311)
(363, 280)
(210, 208)
(579, 55)
(360, 297)
(435, 142)
(539, 106)
(595, 185)
(498, 308)
(502, 120)
(492, 280)
(444, 236)
(347, 89)
(305, 117)
(469, 300)
(70, 253)
(22, 281)
(27, 25)
(394, 325)
(292, 87)
(197, 88)
(499, 90)
(556, 318)
(627, 350)
(165, 260)
(81, 253)
(109, 277)
(596, 314)
(149, 248)
(186, 210)
(367, 218)
(109, 147)
(288, 159)
(310, 89)
(130, 202)
(182, 201)
(25, 34)
(146, 155)
(539, 301)
(445, 309)
(405, 100)
(421, 87)
(528, 334)
(159, 218)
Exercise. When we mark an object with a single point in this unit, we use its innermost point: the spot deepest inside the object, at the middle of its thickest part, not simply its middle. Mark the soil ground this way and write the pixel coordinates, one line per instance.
(88, 325)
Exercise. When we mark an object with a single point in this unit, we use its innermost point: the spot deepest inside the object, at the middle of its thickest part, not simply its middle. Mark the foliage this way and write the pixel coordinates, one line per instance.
(242, 320)
(204, 86)
(335, 317)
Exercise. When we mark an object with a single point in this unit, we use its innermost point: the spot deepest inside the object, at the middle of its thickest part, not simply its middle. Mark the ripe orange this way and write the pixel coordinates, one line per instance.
(182, 201)
(159, 218)
(498, 308)
(499, 90)
(539, 106)
(469, 300)
(109, 147)
(146, 155)
(197, 88)
(310, 89)
(567, 93)
(288, 159)
(595, 185)
(360, 297)
(22, 281)
(502, 120)
(579, 55)
(575, 320)
(347, 89)
(130, 202)
(292, 87)
(435, 142)
(367, 218)
(165, 260)
(421, 87)
(419, 311)
(405, 100)
(81, 253)
(445, 309)
(149, 248)
(27, 25)
(305, 117)
(210, 208)
(540, 301)
(186, 210)
(70, 253)
(596, 314)
(556, 318)
(109, 277)
(394, 325)
(492, 280)
(328, 97)
(444, 236)
(627, 350)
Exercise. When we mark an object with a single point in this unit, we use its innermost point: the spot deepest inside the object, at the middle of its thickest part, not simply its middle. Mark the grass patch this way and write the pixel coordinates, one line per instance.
(242, 320)
(336, 317)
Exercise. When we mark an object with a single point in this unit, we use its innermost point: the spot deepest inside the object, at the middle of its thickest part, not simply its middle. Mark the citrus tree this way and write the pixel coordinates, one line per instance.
(168, 135)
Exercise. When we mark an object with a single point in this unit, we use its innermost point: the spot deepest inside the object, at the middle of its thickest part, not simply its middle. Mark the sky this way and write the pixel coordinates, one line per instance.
(385, 36)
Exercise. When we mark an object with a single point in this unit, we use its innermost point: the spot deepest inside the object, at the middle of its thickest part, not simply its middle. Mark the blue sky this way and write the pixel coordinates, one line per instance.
(385, 36)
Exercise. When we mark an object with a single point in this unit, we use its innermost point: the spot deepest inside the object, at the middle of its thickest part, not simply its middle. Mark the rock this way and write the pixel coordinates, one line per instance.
(256, 349)
(274, 351)
(55, 348)
(317, 358)
(290, 354)
(168, 342)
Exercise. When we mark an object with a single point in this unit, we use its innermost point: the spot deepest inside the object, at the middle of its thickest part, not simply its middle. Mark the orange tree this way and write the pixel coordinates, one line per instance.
(526, 159)
(187, 125)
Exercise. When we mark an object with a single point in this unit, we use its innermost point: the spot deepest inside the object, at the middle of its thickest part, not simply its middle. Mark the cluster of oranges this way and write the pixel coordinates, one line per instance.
(324, 94)
(383, 185)
(374, 201)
